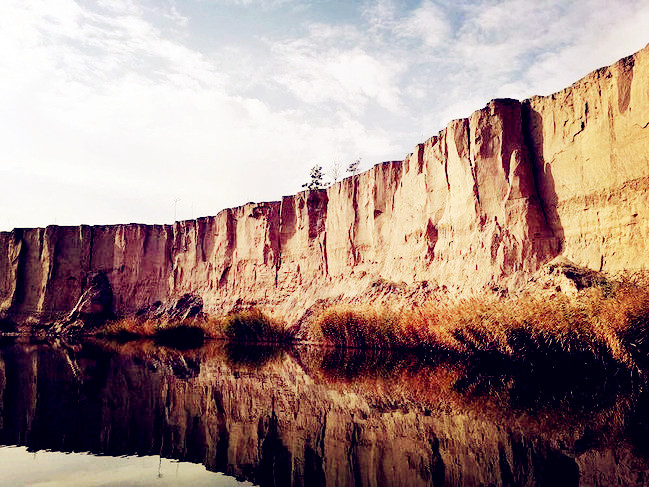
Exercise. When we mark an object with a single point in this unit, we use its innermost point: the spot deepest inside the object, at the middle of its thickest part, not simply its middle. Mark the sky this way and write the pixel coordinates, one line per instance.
(119, 111)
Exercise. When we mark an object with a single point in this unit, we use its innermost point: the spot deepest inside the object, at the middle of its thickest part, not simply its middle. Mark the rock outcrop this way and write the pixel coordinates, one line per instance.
(92, 309)
(483, 204)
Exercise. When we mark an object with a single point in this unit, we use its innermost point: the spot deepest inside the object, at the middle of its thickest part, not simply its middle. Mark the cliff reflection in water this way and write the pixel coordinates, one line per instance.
(325, 417)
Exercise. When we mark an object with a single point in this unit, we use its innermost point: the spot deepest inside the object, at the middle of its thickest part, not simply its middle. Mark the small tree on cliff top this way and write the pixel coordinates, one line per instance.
(354, 167)
(335, 171)
(316, 178)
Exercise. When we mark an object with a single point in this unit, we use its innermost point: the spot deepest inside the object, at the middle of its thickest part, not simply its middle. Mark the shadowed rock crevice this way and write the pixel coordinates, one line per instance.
(544, 185)
(93, 308)
(624, 81)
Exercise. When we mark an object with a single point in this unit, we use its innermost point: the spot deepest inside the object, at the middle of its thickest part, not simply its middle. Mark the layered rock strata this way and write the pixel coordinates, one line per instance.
(486, 202)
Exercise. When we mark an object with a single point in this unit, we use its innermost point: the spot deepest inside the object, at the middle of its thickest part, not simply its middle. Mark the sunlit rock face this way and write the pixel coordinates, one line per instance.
(285, 420)
(483, 204)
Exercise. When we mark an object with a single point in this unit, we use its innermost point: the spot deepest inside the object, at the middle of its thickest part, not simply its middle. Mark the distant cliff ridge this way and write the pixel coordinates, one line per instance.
(486, 202)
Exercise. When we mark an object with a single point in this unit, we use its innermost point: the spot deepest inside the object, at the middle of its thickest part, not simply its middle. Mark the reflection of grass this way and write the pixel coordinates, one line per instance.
(7, 326)
(180, 336)
(353, 363)
(563, 405)
(170, 356)
(252, 356)
(243, 326)
(601, 324)
(489, 387)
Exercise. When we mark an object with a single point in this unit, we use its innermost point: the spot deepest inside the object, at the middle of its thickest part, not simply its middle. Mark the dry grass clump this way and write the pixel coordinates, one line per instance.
(364, 327)
(611, 321)
(244, 326)
(128, 328)
(254, 326)
(181, 334)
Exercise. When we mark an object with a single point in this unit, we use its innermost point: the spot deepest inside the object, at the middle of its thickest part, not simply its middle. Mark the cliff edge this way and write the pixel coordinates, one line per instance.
(485, 203)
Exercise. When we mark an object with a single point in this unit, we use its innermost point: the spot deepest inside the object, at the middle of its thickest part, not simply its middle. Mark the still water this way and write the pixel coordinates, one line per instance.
(107, 413)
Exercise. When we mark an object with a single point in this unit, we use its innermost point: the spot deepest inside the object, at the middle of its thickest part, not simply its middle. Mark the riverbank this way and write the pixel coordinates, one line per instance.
(607, 323)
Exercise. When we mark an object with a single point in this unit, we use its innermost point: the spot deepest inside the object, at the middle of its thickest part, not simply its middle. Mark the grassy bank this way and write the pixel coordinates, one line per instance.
(607, 322)
(244, 326)
(606, 325)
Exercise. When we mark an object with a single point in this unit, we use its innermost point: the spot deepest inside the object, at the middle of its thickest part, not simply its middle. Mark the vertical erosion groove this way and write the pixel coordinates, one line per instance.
(534, 156)
(317, 204)
(317, 201)
(624, 82)
(169, 250)
(231, 239)
(354, 227)
(420, 158)
(325, 257)
(471, 159)
(444, 153)
(91, 249)
(20, 285)
(278, 256)
(542, 178)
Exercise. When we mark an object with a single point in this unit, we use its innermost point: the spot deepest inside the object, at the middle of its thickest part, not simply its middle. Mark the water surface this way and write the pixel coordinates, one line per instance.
(44, 468)
(103, 412)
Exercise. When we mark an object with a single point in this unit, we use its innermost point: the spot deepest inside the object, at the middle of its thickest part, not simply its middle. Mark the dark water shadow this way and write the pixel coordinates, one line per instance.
(255, 355)
(313, 416)
(574, 388)
(357, 363)
(7, 326)
(182, 337)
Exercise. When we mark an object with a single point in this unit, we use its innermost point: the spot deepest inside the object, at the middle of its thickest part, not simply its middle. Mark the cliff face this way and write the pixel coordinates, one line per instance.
(486, 202)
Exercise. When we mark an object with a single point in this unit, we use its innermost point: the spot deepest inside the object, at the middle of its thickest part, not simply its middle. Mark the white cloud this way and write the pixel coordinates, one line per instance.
(427, 23)
(518, 48)
(607, 36)
(263, 4)
(172, 13)
(380, 14)
(350, 77)
(111, 112)
(103, 100)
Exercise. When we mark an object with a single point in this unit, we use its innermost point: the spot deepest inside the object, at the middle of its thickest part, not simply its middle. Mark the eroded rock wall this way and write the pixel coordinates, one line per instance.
(590, 144)
(484, 203)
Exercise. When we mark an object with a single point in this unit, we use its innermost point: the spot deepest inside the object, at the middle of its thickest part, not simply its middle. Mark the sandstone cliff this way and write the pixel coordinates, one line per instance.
(484, 203)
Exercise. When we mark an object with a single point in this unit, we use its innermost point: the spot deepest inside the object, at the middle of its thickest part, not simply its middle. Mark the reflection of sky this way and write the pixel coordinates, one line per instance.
(220, 102)
(49, 469)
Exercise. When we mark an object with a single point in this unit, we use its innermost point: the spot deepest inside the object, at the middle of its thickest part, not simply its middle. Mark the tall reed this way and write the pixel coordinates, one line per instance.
(611, 321)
